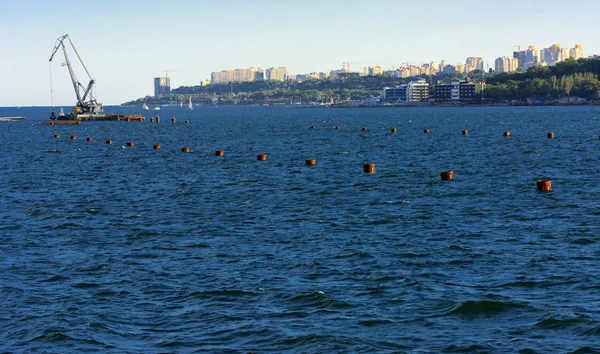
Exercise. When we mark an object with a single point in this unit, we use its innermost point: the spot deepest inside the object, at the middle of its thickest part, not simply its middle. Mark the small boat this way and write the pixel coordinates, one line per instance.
(157, 108)
(145, 107)
(190, 104)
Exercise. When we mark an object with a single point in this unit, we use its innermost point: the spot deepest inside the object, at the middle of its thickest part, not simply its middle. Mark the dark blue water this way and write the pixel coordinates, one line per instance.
(129, 249)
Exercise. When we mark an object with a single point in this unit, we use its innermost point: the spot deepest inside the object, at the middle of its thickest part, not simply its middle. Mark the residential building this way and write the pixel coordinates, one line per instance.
(577, 52)
(449, 69)
(415, 91)
(475, 62)
(237, 75)
(375, 70)
(343, 74)
(457, 92)
(506, 64)
(277, 74)
(532, 57)
(162, 85)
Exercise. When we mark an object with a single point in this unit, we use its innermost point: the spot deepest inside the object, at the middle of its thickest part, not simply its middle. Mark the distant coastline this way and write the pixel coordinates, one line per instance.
(571, 82)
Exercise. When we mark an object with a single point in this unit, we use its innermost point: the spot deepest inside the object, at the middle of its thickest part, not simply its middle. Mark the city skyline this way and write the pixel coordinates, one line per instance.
(193, 39)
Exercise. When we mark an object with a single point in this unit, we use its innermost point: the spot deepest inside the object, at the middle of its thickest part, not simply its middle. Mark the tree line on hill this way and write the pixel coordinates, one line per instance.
(567, 78)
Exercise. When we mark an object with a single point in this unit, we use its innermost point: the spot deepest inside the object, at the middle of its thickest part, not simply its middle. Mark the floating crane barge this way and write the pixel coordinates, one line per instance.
(87, 107)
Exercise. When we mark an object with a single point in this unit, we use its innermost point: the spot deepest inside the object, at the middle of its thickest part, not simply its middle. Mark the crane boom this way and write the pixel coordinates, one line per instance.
(82, 106)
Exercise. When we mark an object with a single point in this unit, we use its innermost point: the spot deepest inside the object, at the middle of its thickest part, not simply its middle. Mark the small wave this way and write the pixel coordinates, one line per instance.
(483, 307)
(85, 285)
(551, 322)
(52, 338)
(474, 348)
(353, 254)
(373, 323)
(583, 241)
(55, 278)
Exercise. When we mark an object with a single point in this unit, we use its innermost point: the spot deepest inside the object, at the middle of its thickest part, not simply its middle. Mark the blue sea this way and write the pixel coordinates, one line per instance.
(118, 249)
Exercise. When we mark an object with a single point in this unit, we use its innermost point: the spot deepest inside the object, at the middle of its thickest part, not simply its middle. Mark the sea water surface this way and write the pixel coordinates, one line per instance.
(110, 248)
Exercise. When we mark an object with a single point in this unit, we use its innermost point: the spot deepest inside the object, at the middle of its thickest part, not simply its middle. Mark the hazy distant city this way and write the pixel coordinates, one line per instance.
(519, 60)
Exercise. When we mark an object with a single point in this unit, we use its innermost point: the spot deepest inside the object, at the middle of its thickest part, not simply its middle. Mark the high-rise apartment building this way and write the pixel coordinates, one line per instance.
(577, 52)
(475, 62)
(277, 74)
(237, 75)
(375, 70)
(532, 57)
(162, 85)
(506, 64)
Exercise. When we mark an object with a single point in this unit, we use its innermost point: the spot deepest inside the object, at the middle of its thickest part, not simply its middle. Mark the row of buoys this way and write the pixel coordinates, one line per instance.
(427, 131)
(543, 185)
(173, 120)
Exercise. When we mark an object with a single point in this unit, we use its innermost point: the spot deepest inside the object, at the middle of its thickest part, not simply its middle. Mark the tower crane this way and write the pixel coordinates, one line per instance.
(86, 103)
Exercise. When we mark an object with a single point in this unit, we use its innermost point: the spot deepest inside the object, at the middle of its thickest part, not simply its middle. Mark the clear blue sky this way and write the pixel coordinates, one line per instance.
(126, 43)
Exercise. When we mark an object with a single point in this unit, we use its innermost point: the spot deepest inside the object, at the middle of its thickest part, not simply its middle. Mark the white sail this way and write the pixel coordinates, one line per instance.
(190, 104)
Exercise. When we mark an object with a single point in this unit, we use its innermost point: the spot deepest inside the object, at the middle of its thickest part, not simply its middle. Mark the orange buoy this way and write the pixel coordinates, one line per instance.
(337, 128)
(89, 139)
(550, 135)
(130, 143)
(447, 175)
(465, 132)
(185, 149)
(73, 137)
(544, 185)
(313, 127)
(426, 131)
(369, 168)
(173, 120)
(109, 142)
(261, 157)
(310, 162)
(56, 136)
(393, 130)
(364, 129)
(219, 152)
(507, 133)
(156, 146)
(151, 120)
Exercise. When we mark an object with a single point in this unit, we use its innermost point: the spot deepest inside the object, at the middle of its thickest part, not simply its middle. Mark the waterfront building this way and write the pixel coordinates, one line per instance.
(205, 82)
(237, 75)
(162, 85)
(457, 92)
(475, 62)
(277, 74)
(415, 91)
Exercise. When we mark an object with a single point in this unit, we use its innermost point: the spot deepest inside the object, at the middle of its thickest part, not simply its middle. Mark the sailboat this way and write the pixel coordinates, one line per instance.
(145, 107)
(190, 104)
(181, 104)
